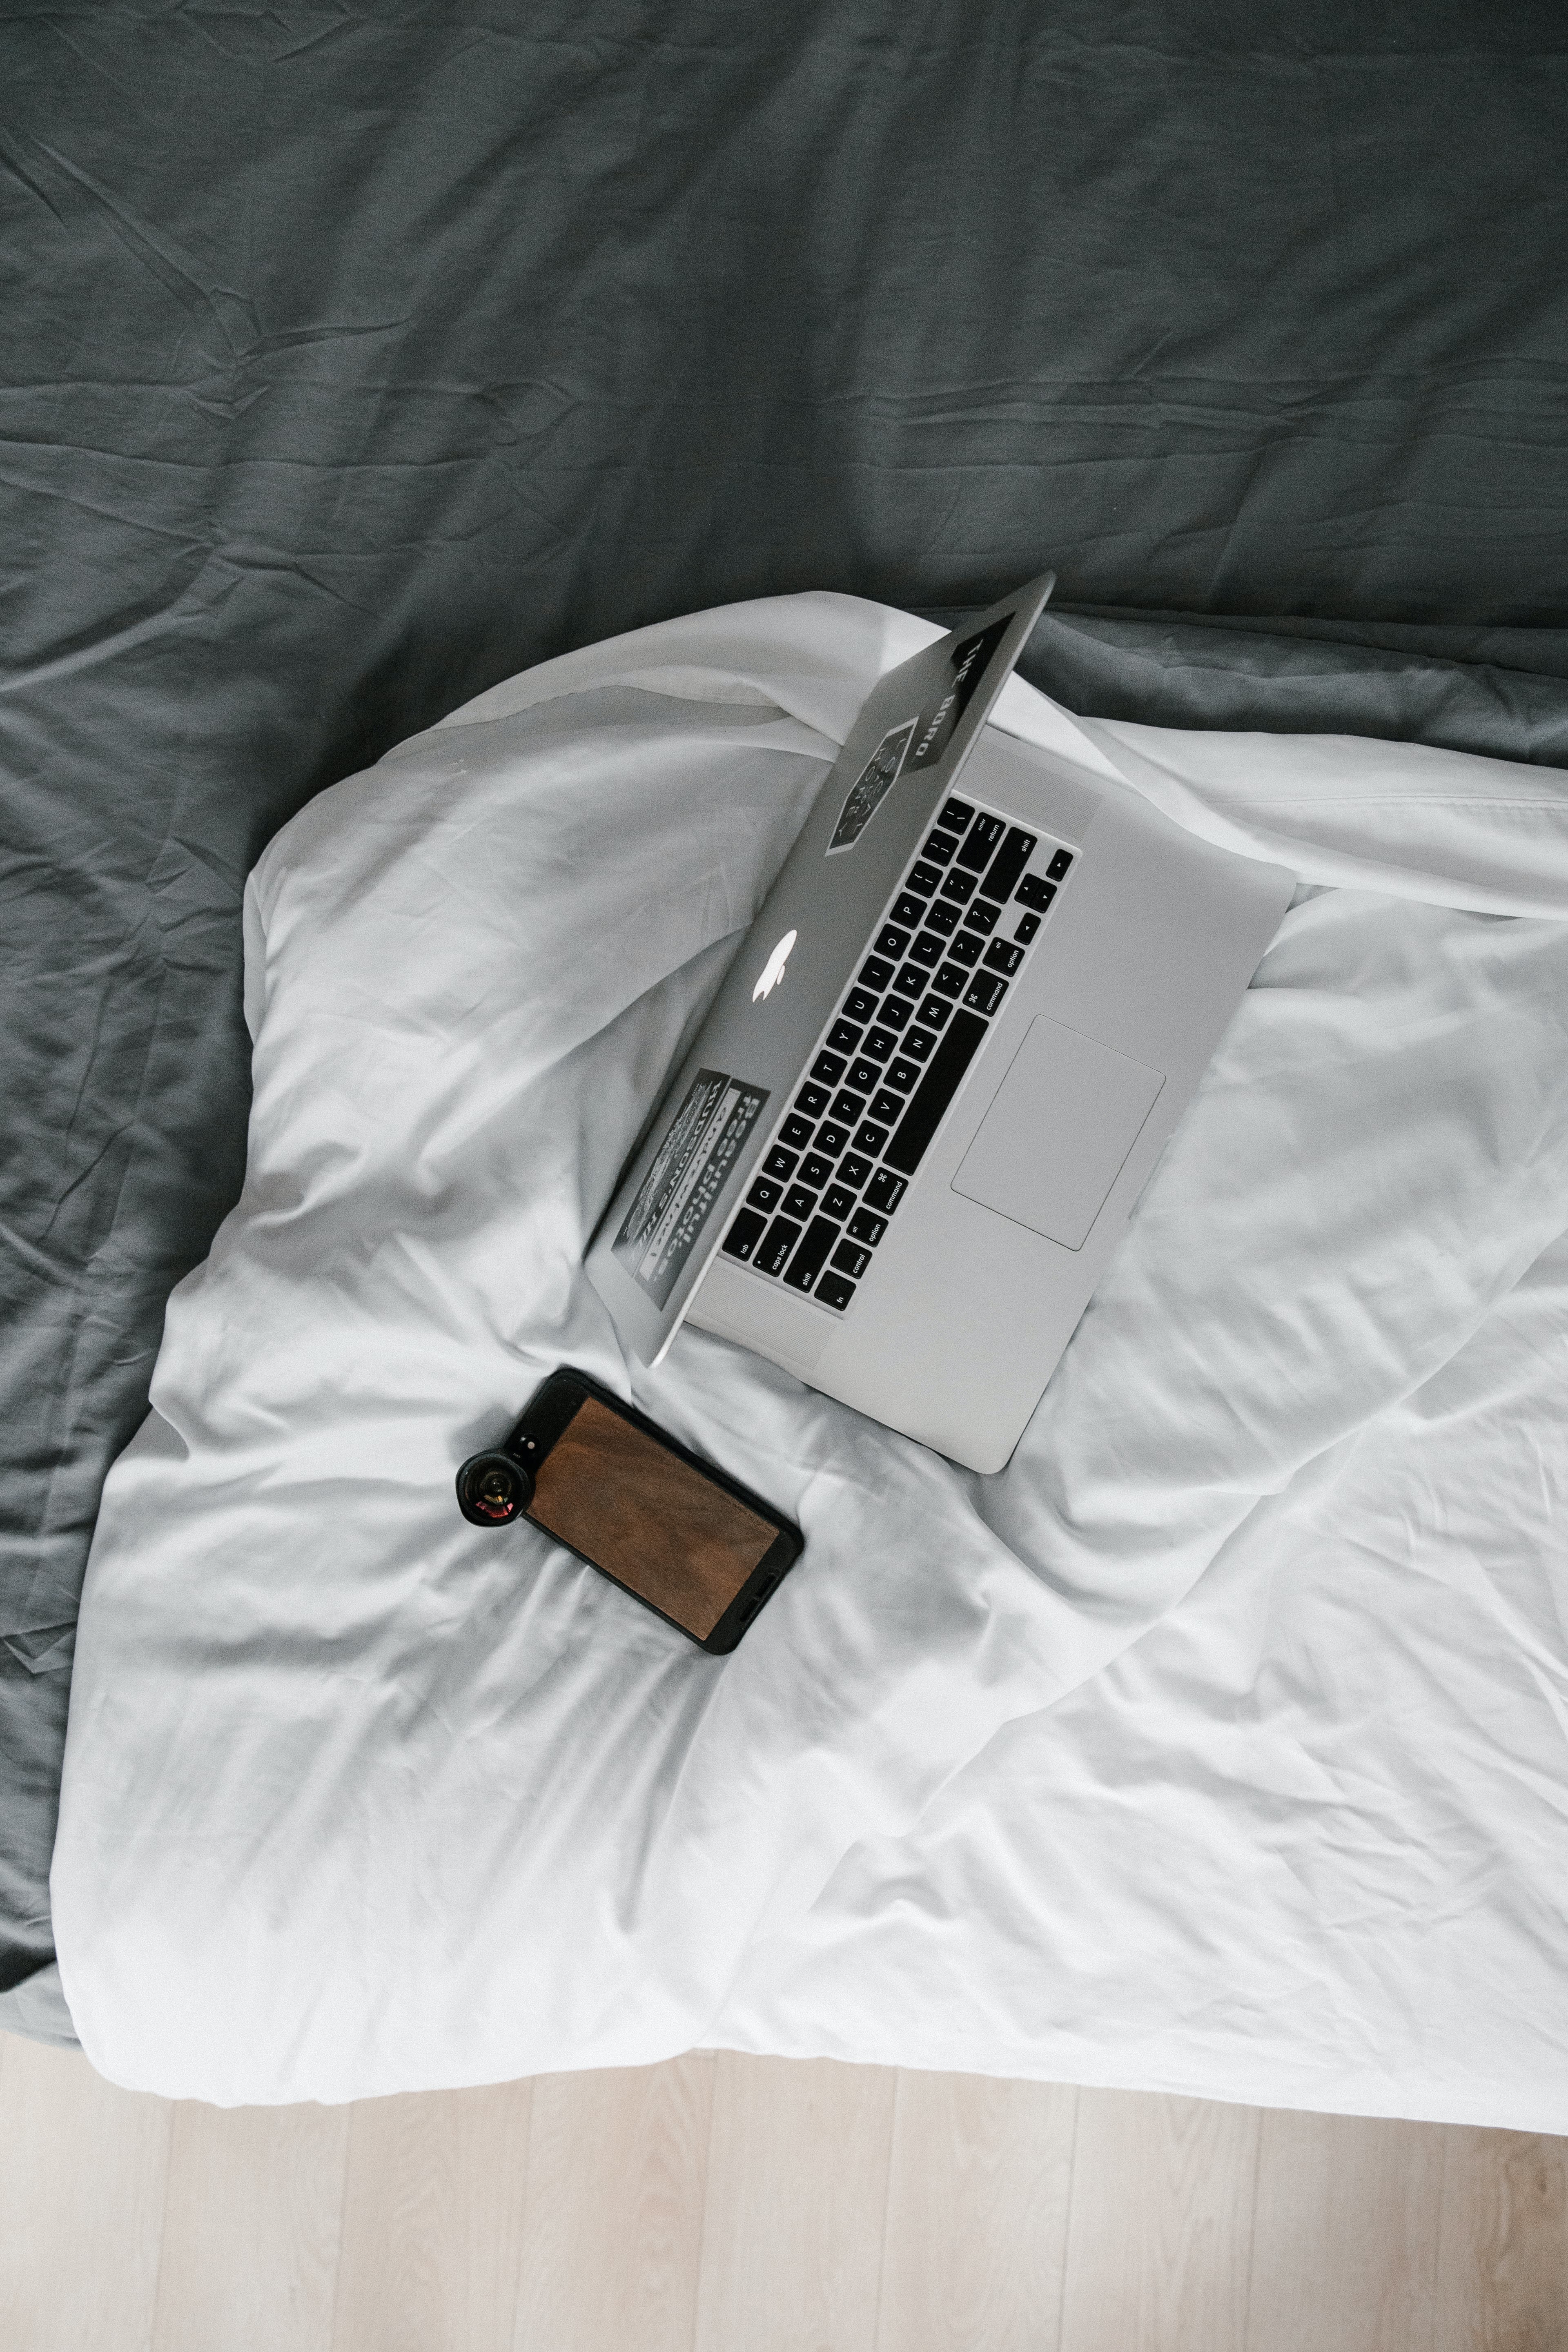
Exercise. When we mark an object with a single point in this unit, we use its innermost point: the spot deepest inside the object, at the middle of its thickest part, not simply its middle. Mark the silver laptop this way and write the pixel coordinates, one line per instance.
(970, 1013)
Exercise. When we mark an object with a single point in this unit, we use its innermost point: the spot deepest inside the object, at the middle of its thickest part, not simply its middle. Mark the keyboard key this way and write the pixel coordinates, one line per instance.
(910, 982)
(849, 1258)
(870, 1138)
(983, 836)
(1028, 926)
(838, 1201)
(949, 980)
(853, 1172)
(832, 1140)
(924, 879)
(779, 1163)
(926, 949)
(894, 1013)
(843, 1037)
(885, 1107)
(943, 919)
(1002, 956)
(812, 1256)
(860, 1005)
(940, 848)
(744, 1234)
(907, 909)
(902, 1074)
(814, 1100)
(930, 1099)
(764, 1194)
(965, 949)
(797, 1132)
(816, 1170)
(985, 992)
(874, 972)
(847, 1108)
(828, 1067)
(773, 1253)
(885, 1192)
(1032, 892)
(892, 942)
(957, 815)
(958, 885)
(879, 1043)
(799, 1202)
(865, 1227)
(863, 1077)
(834, 1291)
(981, 917)
(1058, 865)
(918, 1044)
(1009, 862)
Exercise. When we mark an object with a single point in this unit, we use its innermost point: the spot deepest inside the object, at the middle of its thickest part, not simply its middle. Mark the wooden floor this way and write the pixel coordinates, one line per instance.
(760, 2205)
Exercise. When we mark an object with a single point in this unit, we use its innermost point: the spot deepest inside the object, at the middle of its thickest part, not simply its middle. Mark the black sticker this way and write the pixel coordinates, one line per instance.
(870, 787)
(971, 660)
(688, 1172)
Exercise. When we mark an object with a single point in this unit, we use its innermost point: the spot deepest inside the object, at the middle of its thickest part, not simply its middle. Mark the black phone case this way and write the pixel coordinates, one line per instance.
(547, 1414)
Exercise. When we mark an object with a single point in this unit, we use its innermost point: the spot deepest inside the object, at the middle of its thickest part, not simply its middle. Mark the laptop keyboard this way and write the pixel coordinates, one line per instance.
(953, 939)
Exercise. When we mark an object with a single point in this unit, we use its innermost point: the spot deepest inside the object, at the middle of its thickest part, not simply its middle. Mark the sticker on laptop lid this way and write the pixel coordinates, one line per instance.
(689, 1171)
(920, 742)
(870, 787)
(971, 660)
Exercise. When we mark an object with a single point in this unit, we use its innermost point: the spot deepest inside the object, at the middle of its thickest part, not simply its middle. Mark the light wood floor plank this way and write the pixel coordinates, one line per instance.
(82, 2167)
(974, 2245)
(1344, 2243)
(761, 2205)
(616, 2170)
(1502, 2248)
(1159, 2237)
(251, 2217)
(432, 2226)
(797, 2188)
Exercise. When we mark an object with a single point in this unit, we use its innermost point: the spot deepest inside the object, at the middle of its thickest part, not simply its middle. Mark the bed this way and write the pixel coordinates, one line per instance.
(356, 365)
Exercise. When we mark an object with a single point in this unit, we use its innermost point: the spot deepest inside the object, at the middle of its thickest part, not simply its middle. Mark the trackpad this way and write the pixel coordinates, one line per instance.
(1051, 1146)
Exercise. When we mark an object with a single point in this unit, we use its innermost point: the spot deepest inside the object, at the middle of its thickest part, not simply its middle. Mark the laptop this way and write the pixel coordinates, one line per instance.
(966, 1019)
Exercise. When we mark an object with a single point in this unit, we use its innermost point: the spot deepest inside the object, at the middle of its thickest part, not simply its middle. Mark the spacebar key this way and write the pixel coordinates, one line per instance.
(936, 1091)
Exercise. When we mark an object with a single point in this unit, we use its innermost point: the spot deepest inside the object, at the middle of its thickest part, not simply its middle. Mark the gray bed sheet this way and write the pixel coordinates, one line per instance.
(356, 359)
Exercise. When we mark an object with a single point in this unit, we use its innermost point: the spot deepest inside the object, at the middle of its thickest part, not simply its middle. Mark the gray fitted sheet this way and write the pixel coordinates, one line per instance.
(354, 360)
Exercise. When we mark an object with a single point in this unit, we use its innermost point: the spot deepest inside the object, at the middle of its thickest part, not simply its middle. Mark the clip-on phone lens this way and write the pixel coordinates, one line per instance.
(492, 1488)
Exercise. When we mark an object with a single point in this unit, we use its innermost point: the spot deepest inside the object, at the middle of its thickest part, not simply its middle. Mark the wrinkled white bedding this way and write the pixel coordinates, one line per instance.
(1218, 1742)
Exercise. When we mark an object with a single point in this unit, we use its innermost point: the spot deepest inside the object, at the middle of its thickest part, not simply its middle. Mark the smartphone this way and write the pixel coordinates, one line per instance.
(696, 1546)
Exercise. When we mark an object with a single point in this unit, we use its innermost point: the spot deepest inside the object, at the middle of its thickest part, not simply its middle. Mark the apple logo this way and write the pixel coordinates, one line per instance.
(773, 971)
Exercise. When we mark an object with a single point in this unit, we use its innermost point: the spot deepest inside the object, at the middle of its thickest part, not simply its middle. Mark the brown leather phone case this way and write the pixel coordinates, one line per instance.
(696, 1546)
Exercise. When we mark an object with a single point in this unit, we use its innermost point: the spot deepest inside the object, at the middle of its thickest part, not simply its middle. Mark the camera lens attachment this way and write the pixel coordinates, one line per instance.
(493, 1488)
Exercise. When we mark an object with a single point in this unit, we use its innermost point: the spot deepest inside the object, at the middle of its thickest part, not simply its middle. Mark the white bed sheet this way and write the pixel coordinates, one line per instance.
(1303, 1844)
(358, 1798)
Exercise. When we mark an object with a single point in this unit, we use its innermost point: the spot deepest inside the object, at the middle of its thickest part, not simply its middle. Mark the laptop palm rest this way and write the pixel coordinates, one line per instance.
(1053, 1142)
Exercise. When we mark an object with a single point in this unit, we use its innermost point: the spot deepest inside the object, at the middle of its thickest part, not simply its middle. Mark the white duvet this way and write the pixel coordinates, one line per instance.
(1218, 1743)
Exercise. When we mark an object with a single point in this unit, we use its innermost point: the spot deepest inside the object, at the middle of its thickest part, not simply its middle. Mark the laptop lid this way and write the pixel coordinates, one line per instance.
(700, 1150)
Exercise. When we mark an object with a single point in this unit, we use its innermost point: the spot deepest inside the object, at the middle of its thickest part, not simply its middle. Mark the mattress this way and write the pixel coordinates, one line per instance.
(353, 364)
(358, 1799)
